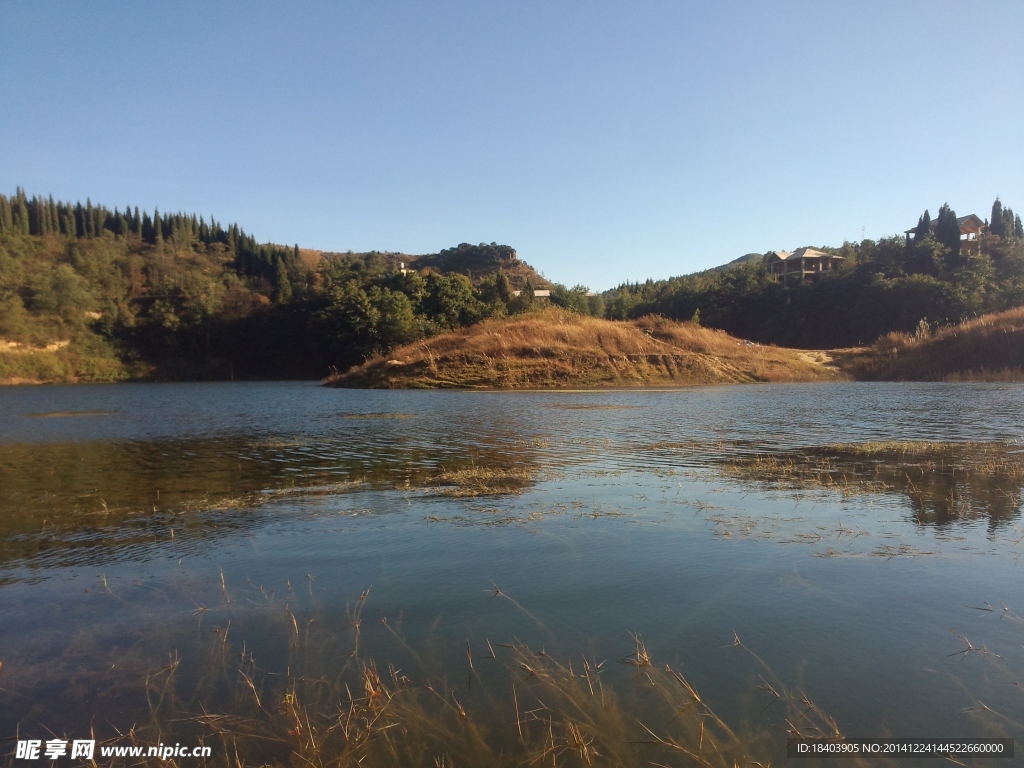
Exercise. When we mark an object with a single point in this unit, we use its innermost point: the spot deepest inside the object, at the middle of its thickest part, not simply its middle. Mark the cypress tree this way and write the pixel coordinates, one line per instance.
(137, 222)
(282, 285)
(1007, 222)
(35, 224)
(997, 226)
(71, 225)
(51, 213)
(947, 232)
(924, 226)
(21, 220)
(90, 219)
(502, 289)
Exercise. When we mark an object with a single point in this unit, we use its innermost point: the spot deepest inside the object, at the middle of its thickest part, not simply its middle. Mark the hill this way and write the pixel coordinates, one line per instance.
(554, 348)
(747, 258)
(89, 293)
(479, 262)
(986, 348)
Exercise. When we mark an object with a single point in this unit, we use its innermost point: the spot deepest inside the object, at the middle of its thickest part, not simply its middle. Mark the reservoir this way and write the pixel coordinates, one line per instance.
(296, 575)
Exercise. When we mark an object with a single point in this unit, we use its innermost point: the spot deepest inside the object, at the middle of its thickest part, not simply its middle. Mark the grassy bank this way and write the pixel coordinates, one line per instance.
(554, 348)
(986, 348)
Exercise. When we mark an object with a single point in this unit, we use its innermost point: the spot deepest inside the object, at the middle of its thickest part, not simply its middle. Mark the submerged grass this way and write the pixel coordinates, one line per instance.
(945, 481)
(328, 703)
(475, 480)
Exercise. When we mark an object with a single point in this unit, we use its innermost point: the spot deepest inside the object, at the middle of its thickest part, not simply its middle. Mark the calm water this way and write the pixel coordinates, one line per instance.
(139, 523)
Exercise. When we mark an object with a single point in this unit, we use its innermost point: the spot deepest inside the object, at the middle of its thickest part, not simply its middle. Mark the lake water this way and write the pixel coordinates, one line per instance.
(236, 563)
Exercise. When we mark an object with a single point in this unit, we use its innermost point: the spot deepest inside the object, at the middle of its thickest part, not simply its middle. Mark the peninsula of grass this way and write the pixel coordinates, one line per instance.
(560, 349)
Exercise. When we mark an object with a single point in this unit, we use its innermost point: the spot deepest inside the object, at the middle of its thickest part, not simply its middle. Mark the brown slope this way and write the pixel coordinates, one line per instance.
(553, 348)
(987, 348)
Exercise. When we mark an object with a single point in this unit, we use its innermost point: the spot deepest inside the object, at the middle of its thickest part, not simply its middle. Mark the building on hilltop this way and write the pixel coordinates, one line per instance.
(800, 263)
(971, 230)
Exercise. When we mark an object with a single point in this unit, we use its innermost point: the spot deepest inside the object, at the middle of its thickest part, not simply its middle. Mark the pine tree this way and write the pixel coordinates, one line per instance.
(1018, 228)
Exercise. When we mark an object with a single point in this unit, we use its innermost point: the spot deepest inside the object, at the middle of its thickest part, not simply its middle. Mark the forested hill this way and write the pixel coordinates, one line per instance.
(90, 293)
(928, 280)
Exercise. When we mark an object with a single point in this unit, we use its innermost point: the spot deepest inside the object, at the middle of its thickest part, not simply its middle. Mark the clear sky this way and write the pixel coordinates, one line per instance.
(606, 141)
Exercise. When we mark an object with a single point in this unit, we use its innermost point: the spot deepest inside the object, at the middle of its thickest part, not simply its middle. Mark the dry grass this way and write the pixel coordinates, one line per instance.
(987, 348)
(481, 481)
(518, 706)
(554, 348)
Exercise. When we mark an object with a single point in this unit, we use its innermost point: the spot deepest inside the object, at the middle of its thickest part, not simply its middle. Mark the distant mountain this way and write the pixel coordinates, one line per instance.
(747, 258)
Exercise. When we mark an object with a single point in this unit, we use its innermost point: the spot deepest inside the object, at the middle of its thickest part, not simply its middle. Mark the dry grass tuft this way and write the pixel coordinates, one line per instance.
(481, 481)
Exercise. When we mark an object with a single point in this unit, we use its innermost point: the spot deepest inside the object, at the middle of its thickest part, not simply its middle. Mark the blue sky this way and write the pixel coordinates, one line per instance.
(605, 141)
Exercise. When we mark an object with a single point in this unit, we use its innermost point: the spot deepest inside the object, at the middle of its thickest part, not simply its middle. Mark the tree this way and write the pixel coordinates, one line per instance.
(21, 221)
(524, 301)
(451, 302)
(924, 226)
(6, 222)
(997, 225)
(947, 232)
(396, 321)
(502, 288)
(1018, 228)
(282, 285)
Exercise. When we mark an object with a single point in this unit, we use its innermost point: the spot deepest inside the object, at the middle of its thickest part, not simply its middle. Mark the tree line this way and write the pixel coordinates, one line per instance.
(892, 284)
(182, 296)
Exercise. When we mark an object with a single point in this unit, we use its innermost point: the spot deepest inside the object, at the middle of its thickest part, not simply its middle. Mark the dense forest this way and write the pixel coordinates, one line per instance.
(893, 284)
(89, 293)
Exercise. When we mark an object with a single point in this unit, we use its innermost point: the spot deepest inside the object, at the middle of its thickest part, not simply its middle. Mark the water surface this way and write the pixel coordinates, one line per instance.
(168, 551)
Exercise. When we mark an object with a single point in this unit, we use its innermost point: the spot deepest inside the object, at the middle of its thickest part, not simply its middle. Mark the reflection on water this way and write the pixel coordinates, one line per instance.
(945, 483)
(190, 549)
